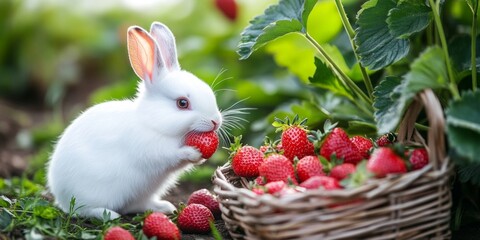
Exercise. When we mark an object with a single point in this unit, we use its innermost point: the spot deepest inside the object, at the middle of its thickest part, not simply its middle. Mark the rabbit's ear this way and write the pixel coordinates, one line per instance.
(143, 53)
(166, 44)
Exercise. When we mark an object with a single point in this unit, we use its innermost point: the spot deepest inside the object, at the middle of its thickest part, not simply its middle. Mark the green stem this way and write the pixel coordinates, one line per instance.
(474, 51)
(351, 34)
(343, 77)
(443, 41)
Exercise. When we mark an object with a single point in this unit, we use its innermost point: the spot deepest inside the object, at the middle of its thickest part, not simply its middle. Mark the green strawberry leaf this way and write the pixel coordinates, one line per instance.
(393, 94)
(340, 108)
(389, 103)
(287, 16)
(6, 219)
(377, 47)
(324, 78)
(460, 53)
(469, 173)
(408, 17)
(463, 126)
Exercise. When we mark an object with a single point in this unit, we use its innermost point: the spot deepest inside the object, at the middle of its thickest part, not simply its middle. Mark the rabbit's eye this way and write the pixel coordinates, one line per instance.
(183, 103)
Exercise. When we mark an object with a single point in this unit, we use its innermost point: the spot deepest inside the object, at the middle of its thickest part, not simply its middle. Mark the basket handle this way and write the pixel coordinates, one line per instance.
(436, 132)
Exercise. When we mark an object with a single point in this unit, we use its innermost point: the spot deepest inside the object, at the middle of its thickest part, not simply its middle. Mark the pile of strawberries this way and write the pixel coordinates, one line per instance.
(201, 209)
(303, 159)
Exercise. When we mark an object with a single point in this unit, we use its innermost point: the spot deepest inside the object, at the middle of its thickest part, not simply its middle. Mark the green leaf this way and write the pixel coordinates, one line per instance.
(6, 218)
(45, 212)
(340, 108)
(428, 71)
(324, 78)
(287, 16)
(463, 126)
(408, 17)
(469, 173)
(390, 103)
(5, 202)
(460, 52)
(377, 47)
(393, 95)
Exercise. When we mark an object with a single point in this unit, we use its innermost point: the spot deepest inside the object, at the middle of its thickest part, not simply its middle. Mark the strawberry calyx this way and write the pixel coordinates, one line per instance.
(284, 124)
(271, 147)
(359, 177)
(234, 146)
(317, 137)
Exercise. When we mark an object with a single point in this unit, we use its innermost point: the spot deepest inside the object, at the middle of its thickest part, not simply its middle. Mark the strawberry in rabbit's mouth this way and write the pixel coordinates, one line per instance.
(205, 142)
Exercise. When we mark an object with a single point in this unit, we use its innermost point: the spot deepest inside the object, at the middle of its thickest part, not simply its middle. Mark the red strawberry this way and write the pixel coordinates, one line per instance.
(342, 171)
(316, 182)
(364, 145)
(419, 158)
(295, 141)
(228, 8)
(159, 225)
(308, 167)
(195, 218)
(118, 233)
(260, 181)
(385, 140)
(258, 191)
(206, 142)
(338, 143)
(384, 161)
(207, 199)
(277, 167)
(246, 160)
(275, 187)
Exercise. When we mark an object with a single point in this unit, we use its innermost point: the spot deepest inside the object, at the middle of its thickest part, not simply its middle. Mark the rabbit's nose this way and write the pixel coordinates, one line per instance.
(215, 125)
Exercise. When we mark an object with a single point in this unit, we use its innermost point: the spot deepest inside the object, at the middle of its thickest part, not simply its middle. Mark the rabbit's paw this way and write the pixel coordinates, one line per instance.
(100, 213)
(161, 206)
(190, 154)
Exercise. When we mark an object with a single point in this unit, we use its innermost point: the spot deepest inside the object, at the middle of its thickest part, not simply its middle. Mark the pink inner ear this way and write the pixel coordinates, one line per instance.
(141, 51)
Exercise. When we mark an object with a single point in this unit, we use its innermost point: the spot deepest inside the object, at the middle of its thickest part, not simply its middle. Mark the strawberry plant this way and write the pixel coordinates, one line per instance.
(366, 73)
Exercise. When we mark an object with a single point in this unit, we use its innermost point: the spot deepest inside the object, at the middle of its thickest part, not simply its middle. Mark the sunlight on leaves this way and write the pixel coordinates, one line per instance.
(278, 20)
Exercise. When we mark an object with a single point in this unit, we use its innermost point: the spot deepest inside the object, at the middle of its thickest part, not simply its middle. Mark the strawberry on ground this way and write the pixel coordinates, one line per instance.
(295, 141)
(384, 161)
(245, 160)
(160, 226)
(118, 233)
(342, 171)
(277, 167)
(418, 158)
(308, 167)
(205, 142)
(338, 143)
(195, 218)
(364, 145)
(324, 182)
(228, 8)
(207, 199)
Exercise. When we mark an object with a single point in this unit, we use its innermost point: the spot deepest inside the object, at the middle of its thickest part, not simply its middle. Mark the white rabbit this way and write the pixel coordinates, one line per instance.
(122, 156)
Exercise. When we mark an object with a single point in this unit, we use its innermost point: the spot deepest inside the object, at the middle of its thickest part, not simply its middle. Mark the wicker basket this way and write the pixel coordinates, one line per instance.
(415, 205)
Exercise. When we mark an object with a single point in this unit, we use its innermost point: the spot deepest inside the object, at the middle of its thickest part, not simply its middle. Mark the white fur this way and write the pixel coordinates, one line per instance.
(122, 156)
